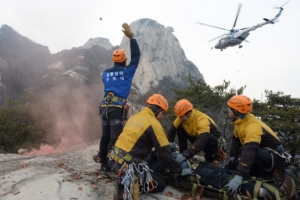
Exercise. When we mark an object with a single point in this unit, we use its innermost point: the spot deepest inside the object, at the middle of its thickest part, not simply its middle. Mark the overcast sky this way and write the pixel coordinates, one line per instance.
(270, 61)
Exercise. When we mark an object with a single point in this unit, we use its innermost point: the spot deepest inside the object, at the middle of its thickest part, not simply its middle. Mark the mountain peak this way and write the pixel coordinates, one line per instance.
(103, 42)
(161, 56)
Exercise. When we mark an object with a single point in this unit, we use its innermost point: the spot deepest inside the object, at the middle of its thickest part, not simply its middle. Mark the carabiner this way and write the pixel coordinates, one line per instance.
(146, 189)
(153, 185)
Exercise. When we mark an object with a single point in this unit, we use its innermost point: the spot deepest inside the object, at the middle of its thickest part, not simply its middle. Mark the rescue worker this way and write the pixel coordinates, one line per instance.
(117, 83)
(196, 127)
(255, 146)
(141, 133)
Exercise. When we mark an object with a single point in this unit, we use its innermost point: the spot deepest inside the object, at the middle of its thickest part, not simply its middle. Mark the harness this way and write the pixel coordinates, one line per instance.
(110, 100)
(121, 156)
(281, 153)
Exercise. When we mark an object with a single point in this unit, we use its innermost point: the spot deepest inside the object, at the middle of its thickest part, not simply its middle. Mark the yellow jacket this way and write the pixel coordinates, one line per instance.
(199, 126)
(251, 134)
(141, 133)
(251, 129)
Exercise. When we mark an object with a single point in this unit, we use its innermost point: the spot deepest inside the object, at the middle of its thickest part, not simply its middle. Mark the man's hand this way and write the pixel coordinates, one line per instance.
(234, 184)
(127, 30)
(230, 160)
(231, 163)
(187, 171)
(187, 154)
(173, 146)
(180, 158)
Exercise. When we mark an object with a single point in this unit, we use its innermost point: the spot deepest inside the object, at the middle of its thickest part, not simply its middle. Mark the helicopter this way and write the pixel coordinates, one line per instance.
(237, 36)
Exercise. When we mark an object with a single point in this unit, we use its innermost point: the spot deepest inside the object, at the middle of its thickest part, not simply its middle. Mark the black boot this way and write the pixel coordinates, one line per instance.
(104, 167)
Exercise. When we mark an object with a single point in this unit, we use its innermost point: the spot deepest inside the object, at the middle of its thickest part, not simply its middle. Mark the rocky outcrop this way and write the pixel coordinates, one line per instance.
(162, 56)
(70, 175)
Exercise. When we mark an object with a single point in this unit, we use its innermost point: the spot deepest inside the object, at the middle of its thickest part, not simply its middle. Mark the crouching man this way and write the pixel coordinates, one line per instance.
(198, 128)
(255, 147)
(141, 133)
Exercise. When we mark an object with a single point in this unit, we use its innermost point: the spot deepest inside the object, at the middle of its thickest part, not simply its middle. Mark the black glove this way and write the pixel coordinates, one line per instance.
(230, 160)
(232, 163)
(187, 154)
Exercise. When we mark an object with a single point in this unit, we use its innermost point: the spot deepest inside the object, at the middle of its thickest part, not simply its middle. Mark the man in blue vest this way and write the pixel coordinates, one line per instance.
(117, 82)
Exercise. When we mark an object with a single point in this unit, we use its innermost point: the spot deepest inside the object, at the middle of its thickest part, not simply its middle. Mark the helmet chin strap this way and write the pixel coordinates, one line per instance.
(156, 109)
(237, 114)
(157, 112)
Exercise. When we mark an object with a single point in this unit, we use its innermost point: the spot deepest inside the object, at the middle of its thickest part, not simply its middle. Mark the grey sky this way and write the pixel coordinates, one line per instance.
(270, 61)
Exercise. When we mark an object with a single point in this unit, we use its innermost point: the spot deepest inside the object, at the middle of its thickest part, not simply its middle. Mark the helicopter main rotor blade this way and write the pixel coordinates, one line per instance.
(285, 3)
(217, 37)
(276, 7)
(212, 26)
(237, 15)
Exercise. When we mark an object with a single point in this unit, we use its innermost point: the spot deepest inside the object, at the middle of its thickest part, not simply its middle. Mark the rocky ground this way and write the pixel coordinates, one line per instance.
(70, 175)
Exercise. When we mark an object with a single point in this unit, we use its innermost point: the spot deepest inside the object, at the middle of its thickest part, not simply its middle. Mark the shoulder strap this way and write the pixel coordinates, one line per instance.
(273, 189)
(256, 188)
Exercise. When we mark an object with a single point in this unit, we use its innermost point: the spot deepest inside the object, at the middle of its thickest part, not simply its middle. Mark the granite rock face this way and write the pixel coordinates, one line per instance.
(161, 55)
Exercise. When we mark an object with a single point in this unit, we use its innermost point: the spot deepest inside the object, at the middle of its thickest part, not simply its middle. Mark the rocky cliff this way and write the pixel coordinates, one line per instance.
(162, 56)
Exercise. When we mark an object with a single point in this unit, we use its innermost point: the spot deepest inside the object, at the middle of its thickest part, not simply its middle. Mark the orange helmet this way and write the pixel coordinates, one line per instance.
(159, 100)
(241, 103)
(119, 55)
(182, 107)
